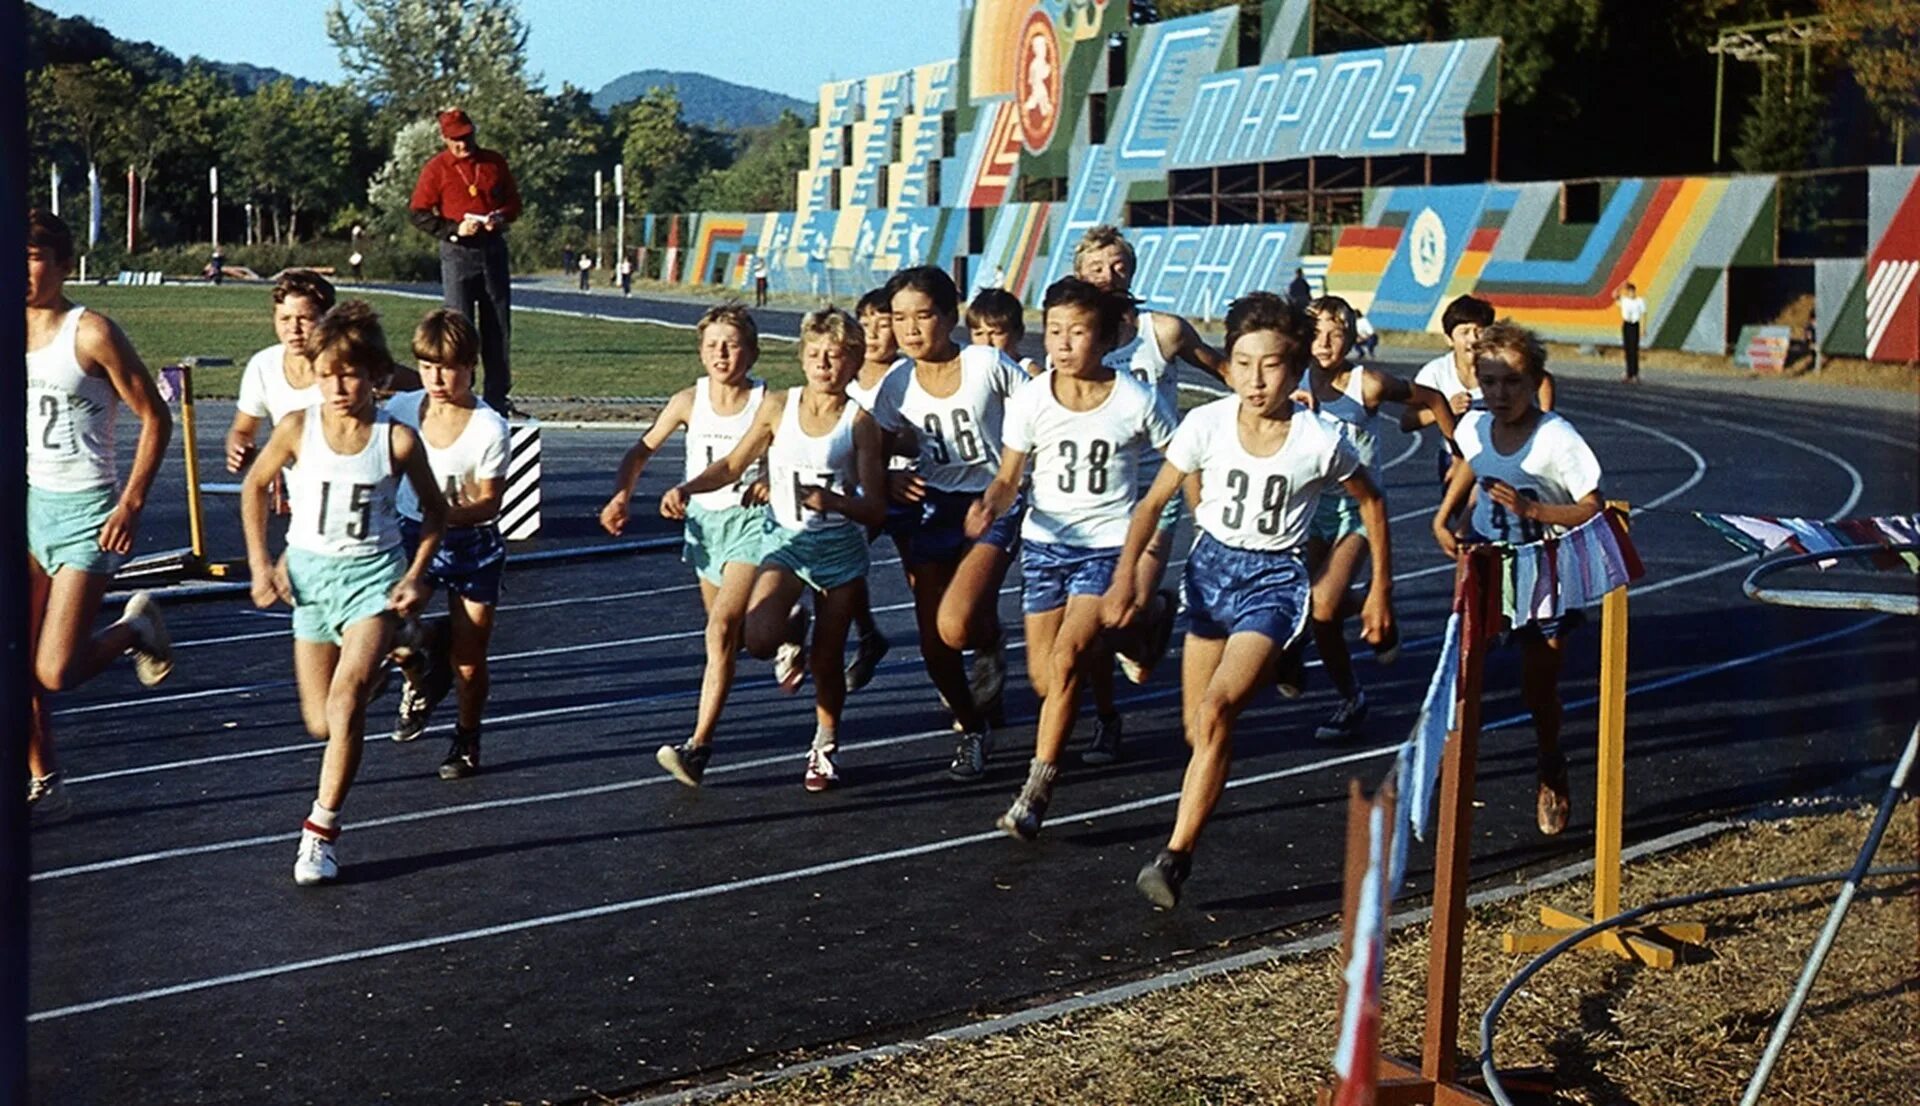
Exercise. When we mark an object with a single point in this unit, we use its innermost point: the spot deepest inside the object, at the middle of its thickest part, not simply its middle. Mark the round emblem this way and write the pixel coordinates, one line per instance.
(1036, 81)
(1428, 252)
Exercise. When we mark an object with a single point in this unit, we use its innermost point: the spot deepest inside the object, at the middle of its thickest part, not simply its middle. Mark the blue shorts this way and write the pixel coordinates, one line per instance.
(1231, 591)
(939, 536)
(823, 559)
(1056, 570)
(332, 593)
(468, 563)
(1334, 517)
(63, 529)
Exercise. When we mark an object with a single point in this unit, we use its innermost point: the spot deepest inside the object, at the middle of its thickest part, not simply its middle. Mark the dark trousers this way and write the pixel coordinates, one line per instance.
(583, 279)
(475, 277)
(1630, 343)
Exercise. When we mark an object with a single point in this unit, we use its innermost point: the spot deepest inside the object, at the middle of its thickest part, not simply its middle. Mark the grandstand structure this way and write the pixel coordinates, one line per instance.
(1233, 155)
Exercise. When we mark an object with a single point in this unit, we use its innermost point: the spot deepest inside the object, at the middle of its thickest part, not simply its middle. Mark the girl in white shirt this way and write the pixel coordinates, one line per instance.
(343, 573)
(1085, 428)
(468, 446)
(825, 478)
(1536, 479)
(1263, 464)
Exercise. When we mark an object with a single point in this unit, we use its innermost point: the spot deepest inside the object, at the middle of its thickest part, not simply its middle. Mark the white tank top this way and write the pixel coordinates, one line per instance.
(711, 436)
(797, 458)
(1350, 407)
(1142, 358)
(344, 506)
(69, 417)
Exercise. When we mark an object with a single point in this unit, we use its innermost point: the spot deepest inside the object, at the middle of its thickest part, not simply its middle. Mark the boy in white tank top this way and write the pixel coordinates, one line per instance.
(279, 379)
(1535, 478)
(1352, 394)
(1263, 462)
(726, 526)
(342, 573)
(826, 473)
(1086, 428)
(468, 445)
(81, 524)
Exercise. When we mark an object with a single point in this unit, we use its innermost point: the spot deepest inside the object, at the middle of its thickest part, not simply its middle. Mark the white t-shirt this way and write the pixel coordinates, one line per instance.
(264, 391)
(1260, 503)
(1440, 375)
(1554, 467)
(479, 453)
(1085, 463)
(1632, 309)
(959, 434)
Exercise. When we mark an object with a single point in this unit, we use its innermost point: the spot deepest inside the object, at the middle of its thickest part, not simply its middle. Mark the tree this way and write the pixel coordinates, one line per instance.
(763, 177)
(296, 149)
(414, 58)
(90, 101)
(662, 156)
(1877, 39)
(391, 190)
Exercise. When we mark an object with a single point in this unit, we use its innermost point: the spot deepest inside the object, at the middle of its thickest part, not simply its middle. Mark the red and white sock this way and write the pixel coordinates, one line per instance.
(323, 821)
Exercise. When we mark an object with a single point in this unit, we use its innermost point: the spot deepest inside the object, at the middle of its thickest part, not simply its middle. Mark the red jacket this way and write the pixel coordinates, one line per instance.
(450, 188)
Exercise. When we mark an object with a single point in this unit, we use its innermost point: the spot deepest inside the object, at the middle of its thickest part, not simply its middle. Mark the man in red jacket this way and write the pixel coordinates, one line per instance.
(466, 198)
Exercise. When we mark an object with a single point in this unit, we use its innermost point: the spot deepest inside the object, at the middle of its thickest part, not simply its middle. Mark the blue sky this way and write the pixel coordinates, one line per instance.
(788, 46)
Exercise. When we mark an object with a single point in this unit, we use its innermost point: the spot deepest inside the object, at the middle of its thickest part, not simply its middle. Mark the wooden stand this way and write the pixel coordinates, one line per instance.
(1652, 944)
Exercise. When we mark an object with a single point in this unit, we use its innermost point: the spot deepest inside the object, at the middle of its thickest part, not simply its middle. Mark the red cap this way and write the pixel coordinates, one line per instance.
(455, 124)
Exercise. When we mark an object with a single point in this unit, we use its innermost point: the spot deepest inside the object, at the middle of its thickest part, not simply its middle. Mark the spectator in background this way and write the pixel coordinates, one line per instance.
(585, 265)
(354, 261)
(1368, 339)
(1633, 312)
(1299, 291)
(466, 198)
(217, 266)
(626, 275)
(566, 258)
(759, 281)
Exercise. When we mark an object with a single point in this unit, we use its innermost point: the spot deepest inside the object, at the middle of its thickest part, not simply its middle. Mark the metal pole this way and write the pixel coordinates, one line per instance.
(1834, 917)
(53, 190)
(599, 218)
(1719, 101)
(193, 461)
(213, 186)
(620, 217)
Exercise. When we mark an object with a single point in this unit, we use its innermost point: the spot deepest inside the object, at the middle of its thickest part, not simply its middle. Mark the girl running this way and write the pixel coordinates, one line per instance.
(1263, 462)
(1086, 428)
(1537, 479)
(725, 525)
(81, 522)
(1338, 542)
(468, 445)
(951, 400)
(279, 379)
(342, 572)
(1451, 374)
(825, 473)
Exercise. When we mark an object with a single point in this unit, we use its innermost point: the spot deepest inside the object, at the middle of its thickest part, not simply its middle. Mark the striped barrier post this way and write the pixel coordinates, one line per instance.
(520, 505)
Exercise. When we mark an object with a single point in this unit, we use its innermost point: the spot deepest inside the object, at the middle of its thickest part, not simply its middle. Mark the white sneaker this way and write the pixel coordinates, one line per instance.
(821, 774)
(790, 667)
(315, 862)
(153, 646)
(47, 799)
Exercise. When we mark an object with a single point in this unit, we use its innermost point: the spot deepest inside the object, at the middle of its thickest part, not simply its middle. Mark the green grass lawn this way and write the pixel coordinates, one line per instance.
(552, 355)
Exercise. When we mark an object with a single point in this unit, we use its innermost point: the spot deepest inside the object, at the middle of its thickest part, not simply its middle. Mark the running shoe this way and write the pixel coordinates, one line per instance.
(790, 659)
(873, 647)
(686, 761)
(428, 680)
(1553, 801)
(821, 773)
(1345, 721)
(463, 756)
(1388, 649)
(315, 862)
(1022, 819)
(1107, 732)
(1290, 670)
(47, 799)
(988, 677)
(969, 756)
(152, 646)
(1163, 876)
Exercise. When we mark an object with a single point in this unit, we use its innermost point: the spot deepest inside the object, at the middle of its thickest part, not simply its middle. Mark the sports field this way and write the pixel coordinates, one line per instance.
(571, 923)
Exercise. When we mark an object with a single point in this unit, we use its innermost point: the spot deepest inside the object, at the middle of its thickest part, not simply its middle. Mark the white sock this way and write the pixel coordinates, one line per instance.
(322, 817)
(824, 737)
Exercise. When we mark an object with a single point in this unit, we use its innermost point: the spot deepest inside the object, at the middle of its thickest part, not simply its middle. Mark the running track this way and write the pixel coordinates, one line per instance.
(571, 922)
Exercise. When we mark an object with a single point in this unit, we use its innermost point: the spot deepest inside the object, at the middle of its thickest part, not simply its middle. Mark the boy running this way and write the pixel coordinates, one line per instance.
(468, 446)
(825, 476)
(81, 522)
(1451, 374)
(279, 379)
(1263, 462)
(342, 573)
(724, 526)
(1085, 428)
(995, 318)
(1537, 479)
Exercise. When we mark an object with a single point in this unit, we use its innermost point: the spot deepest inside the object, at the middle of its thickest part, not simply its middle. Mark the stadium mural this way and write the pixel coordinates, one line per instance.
(988, 164)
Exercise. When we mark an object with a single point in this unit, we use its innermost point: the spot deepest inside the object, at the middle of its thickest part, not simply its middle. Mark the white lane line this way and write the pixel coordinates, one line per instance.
(866, 860)
(1853, 474)
(1699, 462)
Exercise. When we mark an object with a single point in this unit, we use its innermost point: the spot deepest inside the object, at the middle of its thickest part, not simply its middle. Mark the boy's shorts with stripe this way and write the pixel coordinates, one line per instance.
(1053, 571)
(63, 529)
(469, 562)
(1230, 591)
(715, 539)
(823, 559)
(940, 536)
(332, 593)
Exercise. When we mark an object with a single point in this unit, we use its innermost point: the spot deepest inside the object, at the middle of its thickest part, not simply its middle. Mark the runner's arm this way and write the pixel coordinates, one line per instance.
(101, 343)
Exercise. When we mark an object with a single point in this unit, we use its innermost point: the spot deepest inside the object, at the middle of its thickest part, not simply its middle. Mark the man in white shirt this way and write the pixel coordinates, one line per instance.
(1633, 312)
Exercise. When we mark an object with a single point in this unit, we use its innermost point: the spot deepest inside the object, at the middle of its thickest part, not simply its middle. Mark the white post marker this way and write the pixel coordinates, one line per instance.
(213, 187)
(620, 203)
(599, 218)
(53, 190)
(520, 503)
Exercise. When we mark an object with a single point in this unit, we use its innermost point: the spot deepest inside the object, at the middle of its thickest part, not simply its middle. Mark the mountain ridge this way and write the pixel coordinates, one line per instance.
(704, 100)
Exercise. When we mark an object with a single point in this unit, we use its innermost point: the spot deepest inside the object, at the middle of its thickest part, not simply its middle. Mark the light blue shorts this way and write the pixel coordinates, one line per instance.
(1335, 516)
(823, 559)
(63, 529)
(332, 593)
(715, 539)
